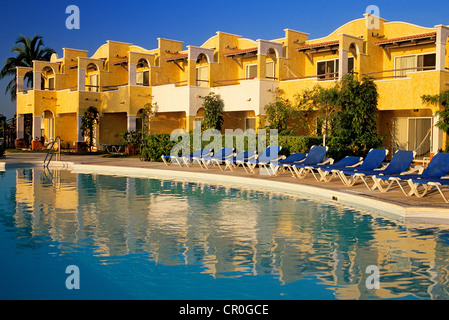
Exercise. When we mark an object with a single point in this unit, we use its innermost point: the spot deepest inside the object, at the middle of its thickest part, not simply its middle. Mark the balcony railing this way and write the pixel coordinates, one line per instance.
(92, 88)
(229, 82)
(318, 77)
(111, 87)
(397, 73)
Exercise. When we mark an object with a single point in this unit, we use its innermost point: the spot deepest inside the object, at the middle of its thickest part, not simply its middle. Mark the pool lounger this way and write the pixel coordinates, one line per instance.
(281, 165)
(183, 160)
(206, 161)
(315, 156)
(373, 160)
(428, 185)
(400, 162)
(234, 161)
(324, 172)
(263, 161)
(437, 169)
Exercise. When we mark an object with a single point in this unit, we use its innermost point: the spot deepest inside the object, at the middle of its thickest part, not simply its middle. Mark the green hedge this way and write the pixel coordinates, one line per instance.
(154, 146)
(294, 144)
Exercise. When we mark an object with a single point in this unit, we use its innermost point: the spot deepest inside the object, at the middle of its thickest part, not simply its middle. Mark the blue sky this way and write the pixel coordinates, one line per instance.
(142, 22)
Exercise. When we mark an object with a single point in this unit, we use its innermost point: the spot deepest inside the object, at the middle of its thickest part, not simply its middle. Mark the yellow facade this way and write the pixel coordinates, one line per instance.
(119, 79)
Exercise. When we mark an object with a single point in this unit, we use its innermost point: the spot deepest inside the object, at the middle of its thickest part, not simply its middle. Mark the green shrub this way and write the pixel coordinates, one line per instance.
(154, 146)
(295, 144)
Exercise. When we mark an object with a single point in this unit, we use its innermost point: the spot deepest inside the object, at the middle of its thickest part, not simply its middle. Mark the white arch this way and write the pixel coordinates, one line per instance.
(144, 59)
(194, 52)
(52, 114)
(94, 64)
(263, 46)
(48, 67)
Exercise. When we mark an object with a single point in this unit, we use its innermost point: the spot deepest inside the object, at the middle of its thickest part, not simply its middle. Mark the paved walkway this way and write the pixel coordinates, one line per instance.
(432, 203)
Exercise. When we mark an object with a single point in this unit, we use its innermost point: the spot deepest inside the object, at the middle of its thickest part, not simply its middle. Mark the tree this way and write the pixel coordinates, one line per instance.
(213, 112)
(91, 118)
(356, 123)
(350, 109)
(145, 117)
(325, 101)
(443, 98)
(27, 50)
(278, 113)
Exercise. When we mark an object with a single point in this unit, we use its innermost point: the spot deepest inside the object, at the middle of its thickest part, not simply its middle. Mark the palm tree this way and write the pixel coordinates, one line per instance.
(90, 119)
(27, 49)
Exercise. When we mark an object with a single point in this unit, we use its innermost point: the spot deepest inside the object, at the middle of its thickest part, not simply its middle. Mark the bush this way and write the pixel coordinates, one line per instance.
(154, 146)
(295, 144)
(213, 112)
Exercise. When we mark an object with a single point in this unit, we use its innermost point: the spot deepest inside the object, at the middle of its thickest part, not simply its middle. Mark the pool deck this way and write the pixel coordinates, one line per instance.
(430, 209)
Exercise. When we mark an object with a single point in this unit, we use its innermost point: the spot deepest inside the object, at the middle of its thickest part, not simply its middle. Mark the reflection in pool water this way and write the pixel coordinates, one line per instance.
(135, 238)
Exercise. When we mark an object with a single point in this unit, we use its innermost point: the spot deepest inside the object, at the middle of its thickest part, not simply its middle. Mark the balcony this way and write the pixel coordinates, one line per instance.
(401, 89)
(396, 73)
(253, 94)
(179, 97)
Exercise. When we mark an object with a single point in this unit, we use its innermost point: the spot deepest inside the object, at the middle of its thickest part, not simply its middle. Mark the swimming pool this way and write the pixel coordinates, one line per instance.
(142, 238)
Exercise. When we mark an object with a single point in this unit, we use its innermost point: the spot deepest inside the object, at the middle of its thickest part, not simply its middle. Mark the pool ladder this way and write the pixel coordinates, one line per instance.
(51, 152)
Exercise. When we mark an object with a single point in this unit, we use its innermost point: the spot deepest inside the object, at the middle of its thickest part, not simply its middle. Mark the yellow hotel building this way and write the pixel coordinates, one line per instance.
(406, 61)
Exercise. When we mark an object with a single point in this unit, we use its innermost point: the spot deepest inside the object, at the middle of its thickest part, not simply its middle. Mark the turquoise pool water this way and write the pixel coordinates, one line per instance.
(135, 238)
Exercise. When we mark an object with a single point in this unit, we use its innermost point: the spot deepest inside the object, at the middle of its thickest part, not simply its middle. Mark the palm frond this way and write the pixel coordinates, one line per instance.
(27, 50)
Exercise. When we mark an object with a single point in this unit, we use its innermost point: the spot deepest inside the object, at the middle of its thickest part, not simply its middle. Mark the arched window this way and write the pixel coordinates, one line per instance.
(92, 77)
(202, 71)
(48, 125)
(143, 73)
(48, 79)
(270, 64)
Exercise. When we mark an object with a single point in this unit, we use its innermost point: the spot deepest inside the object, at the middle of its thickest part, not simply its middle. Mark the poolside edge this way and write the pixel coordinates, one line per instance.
(411, 214)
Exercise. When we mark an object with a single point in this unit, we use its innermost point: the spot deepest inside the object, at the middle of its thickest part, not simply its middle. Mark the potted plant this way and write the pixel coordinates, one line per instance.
(131, 140)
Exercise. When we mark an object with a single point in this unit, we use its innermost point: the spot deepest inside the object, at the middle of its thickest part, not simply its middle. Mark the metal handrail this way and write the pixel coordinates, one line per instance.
(51, 153)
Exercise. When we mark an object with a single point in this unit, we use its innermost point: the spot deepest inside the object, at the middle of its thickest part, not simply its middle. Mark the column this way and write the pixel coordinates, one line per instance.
(20, 134)
(131, 122)
(191, 72)
(442, 35)
(437, 135)
(132, 74)
(37, 127)
(36, 134)
(80, 145)
(81, 79)
(261, 66)
(19, 86)
(189, 123)
(79, 131)
(37, 80)
(342, 63)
